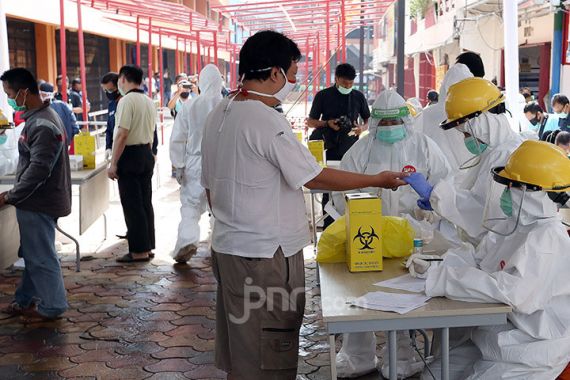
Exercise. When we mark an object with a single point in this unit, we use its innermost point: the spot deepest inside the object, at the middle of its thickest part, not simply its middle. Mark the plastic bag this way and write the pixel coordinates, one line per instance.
(397, 240)
(9, 154)
(332, 244)
(397, 237)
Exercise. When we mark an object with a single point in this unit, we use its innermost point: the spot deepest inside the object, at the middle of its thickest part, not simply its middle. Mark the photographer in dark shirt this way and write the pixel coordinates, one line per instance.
(334, 115)
(335, 111)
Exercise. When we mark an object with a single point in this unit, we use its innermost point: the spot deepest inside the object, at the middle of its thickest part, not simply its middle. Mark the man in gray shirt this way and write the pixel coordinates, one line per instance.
(41, 194)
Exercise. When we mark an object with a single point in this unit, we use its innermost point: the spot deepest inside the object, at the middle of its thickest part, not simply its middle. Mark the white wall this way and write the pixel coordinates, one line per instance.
(485, 36)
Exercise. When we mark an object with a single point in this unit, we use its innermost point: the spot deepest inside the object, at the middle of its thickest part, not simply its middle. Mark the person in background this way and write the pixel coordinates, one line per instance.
(76, 99)
(473, 61)
(451, 144)
(167, 83)
(67, 117)
(59, 82)
(536, 117)
(110, 87)
(334, 115)
(41, 195)
(563, 142)
(185, 155)
(182, 94)
(132, 162)
(432, 97)
(527, 93)
(252, 159)
(558, 120)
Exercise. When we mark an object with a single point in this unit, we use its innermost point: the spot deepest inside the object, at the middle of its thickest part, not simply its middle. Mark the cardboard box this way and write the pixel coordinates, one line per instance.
(85, 146)
(363, 233)
(75, 162)
(317, 149)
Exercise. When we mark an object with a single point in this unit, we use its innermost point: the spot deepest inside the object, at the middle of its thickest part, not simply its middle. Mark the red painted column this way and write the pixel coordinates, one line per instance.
(343, 34)
(216, 49)
(185, 65)
(177, 59)
(82, 63)
(328, 47)
(198, 53)
(138, 42)
(306, 73)
(161, 69)
(62, 51)
(150, 57)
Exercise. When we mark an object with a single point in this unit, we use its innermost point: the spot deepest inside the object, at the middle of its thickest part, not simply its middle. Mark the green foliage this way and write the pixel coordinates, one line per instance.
(418, 8)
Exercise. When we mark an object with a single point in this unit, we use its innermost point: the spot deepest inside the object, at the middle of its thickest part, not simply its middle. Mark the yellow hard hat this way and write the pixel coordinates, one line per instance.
(468, 99)
(538, 165)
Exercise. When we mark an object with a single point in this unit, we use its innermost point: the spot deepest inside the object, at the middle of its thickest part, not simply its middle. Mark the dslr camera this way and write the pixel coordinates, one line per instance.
(344, 123)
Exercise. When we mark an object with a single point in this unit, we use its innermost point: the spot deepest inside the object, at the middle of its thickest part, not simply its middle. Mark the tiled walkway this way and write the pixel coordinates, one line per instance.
(137, 321)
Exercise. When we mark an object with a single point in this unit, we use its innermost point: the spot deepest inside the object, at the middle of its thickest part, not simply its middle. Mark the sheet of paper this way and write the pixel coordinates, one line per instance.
(398, 303)
(405, 282)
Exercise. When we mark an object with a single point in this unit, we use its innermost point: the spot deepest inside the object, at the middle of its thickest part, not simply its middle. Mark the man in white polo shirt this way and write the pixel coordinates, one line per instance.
(253, 169)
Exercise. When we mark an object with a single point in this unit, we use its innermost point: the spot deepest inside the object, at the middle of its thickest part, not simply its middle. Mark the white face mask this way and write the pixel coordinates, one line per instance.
(280, 95)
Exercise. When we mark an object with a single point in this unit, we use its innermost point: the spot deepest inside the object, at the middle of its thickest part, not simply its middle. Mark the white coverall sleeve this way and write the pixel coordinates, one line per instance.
(438, 165)
(514, 286)
(179, 139)
(465, 207)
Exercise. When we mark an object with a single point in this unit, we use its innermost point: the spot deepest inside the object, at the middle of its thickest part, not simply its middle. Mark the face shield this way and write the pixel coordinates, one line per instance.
(511, 203)
(473, 144)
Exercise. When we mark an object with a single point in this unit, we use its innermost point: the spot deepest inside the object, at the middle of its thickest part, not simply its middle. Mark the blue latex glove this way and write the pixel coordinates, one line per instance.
(424, 204)
(420, 184)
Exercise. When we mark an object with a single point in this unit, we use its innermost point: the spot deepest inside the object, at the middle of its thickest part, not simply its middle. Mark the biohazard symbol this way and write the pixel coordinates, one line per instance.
(366, 238)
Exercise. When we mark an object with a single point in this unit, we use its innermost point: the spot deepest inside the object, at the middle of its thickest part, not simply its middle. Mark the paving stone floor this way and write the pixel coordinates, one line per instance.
(137, 321)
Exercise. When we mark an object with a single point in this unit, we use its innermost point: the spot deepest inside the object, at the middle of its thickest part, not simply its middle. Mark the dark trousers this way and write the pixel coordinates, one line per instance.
(135, 169)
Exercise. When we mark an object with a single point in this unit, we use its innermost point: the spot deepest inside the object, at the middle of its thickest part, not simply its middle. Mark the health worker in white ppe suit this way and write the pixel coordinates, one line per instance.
(522, 262)
(185, 155)
(451, 144)
(475, 107)
(392, 144)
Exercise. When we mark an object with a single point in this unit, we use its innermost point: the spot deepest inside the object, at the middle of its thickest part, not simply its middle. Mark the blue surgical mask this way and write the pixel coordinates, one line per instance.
(473, 146)
(3, 138)
(507, 202)
(344, 90)
(391, 134)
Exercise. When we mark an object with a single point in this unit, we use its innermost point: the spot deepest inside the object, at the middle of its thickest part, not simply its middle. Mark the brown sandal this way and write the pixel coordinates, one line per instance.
(128, 258)
(13, 309)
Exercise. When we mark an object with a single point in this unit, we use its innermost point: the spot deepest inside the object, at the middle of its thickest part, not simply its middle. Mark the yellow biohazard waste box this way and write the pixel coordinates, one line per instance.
(317, 149)
(85, 146)
(363, 232)
(299, 135)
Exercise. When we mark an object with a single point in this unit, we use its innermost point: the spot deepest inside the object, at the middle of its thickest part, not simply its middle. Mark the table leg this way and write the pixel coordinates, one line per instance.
(445, 353)
(313, 222)
(105, 225)
(332, 344)
(77, 250)
(393, 352)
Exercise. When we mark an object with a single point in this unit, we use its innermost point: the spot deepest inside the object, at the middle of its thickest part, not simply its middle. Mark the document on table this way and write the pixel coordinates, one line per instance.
(398, 303)
(405, 282)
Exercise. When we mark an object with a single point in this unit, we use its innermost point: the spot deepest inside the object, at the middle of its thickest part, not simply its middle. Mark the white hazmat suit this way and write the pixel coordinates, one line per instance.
(185, 155)
(450, 142)
(526, 270)
(462, 202)
(369, 155)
